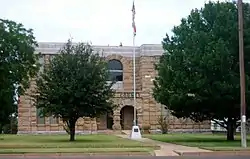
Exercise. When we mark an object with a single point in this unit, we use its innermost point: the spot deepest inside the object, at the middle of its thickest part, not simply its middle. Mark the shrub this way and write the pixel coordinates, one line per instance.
(146, 128)
(162, 121)
(10, 128)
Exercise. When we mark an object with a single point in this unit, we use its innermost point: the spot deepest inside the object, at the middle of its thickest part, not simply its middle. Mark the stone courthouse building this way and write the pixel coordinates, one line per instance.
(120, 62)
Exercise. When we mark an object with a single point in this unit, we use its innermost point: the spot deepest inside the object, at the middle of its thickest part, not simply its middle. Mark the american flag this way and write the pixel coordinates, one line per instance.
(133, 18)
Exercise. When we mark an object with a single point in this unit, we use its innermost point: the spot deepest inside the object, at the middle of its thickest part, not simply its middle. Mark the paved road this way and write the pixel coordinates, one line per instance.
(131, 157)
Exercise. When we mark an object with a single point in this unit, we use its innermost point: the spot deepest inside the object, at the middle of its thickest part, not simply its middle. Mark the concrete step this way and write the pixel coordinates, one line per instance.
(126, 132)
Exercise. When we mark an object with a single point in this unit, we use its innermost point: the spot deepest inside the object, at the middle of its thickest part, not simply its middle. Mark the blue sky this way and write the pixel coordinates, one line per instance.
(103, 22)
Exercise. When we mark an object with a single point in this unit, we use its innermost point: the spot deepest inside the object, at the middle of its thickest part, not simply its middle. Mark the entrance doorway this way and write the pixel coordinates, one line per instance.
(110, 121)
(127, 117)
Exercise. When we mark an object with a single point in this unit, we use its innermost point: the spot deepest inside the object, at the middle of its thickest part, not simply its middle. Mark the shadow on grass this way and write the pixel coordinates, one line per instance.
(83, 139)
(60, 139)
(67, 140)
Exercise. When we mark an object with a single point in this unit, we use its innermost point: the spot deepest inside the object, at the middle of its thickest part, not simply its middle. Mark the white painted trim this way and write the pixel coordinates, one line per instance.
(126, 51)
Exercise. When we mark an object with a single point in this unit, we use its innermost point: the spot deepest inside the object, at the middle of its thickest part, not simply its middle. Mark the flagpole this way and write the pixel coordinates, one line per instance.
(134, 82)
(135, 133)
(134, 78)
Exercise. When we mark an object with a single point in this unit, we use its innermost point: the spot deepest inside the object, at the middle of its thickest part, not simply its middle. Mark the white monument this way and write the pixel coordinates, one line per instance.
(135, 133)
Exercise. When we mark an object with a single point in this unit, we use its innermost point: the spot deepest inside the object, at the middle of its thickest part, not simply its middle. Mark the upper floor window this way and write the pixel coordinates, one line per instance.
(51, 57)
(41, 62)
(116, 70)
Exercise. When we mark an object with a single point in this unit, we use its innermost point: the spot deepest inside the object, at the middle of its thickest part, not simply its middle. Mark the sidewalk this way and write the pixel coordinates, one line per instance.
(168, 149)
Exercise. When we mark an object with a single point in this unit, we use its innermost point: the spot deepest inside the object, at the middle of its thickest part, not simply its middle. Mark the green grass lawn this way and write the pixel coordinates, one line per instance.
(216, 142)
(60, 144)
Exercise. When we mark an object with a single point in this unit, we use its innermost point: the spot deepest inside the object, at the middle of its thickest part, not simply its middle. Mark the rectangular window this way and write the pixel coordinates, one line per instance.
(41, 62)
(215, 126)
(40, 119)
(115, 76)
(53, 120)
(51, 57)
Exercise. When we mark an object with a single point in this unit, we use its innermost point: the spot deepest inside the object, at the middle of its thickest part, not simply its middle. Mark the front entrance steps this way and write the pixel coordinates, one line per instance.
(126, 132)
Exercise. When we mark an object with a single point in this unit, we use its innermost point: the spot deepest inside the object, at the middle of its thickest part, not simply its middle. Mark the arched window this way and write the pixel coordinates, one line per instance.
(116, 70)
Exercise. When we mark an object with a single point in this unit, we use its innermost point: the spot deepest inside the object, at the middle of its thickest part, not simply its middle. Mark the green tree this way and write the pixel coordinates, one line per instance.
(11, 127)
(199, 71)
(73, 85)
(17, 65)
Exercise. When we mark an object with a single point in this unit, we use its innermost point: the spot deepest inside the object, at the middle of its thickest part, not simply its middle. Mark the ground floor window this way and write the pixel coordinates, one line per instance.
(53, 120)
(39, 117)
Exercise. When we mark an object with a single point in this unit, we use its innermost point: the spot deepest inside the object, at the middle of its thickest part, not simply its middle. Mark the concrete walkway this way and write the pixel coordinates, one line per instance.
(167, 149)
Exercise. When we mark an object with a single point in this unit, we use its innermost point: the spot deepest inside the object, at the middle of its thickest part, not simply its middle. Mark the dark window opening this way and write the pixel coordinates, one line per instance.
(116, 70)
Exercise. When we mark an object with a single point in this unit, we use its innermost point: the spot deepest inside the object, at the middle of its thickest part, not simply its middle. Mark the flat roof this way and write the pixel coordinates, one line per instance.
(143, 50)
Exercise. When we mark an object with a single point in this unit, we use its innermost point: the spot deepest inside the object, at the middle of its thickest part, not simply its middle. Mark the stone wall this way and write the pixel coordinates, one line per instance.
(148, 110)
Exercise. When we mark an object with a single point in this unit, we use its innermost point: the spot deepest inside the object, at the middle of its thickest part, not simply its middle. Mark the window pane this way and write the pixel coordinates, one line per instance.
(40, 119)
(115, 65)
(116, 76)
(54, 120)
(51, 57)
(41, 62)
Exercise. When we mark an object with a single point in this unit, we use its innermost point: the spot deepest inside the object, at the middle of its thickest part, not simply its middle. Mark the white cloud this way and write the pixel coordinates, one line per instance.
(100, 21)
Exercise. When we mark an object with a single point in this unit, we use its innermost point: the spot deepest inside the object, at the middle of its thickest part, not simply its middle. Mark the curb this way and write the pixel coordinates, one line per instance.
(215, 153)
(74, 155)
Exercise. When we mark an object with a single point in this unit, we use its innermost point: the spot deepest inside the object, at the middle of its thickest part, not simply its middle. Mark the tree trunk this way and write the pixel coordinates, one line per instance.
(72, 123)
(231, 128)
(72, 134)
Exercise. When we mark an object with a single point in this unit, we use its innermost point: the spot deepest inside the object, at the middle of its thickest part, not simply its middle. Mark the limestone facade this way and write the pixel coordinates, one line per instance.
(148, 110)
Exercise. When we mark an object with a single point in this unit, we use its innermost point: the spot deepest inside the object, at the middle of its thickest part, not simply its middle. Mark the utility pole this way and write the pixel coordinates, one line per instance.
(242, 75)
